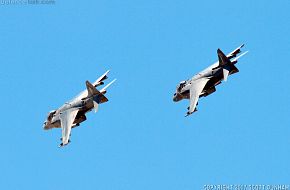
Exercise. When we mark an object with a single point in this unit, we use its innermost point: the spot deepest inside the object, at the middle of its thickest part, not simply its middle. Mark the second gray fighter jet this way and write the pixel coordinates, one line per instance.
(203, 83)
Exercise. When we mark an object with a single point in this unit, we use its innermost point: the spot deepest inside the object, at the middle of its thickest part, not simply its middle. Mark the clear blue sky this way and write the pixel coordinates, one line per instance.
(140, 139)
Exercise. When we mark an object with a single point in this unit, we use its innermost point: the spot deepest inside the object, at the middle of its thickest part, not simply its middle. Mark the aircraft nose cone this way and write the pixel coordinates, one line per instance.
(45, 126)
(177, 97)
(174, 98)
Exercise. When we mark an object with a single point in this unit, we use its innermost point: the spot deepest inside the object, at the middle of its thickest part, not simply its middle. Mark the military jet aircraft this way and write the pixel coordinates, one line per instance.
(203, 83)
(72, 113)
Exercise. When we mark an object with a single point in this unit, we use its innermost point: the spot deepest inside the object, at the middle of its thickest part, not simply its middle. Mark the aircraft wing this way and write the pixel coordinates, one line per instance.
(195, 91)
(67, 118)
(235, 52)
(101, 78)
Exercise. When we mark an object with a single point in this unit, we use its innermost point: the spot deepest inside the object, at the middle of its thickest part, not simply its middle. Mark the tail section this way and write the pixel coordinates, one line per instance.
(223, 59)
(227, 64)
(97, 96)
(92, 91)
(224, 62)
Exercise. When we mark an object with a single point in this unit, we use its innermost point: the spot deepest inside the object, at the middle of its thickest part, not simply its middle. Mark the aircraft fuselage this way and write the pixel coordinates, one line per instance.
(84, 106)
(215, 75)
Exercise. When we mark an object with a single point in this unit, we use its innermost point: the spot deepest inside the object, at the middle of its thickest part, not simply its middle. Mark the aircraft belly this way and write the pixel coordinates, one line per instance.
(185, 94)
(89, 106)
(80, 118)
(57, 125)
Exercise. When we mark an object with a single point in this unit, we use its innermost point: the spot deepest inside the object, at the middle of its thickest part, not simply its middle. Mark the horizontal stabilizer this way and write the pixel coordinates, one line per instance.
(102, 99)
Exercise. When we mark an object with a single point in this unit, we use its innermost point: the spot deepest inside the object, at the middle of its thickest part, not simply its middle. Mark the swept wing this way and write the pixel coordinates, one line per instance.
(66, 119)
(235, 52)
(195, 91)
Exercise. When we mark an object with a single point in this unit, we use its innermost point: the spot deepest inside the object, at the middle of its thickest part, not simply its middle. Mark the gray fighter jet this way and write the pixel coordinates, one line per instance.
(72, 113)
(203, 83)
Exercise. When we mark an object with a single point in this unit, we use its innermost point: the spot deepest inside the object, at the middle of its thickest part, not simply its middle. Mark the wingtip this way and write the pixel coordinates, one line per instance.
(188, 114)
(62, 145)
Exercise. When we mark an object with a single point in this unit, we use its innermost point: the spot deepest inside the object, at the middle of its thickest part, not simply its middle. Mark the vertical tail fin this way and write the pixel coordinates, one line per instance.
(223, 60)
(91, 89)
(227, 64)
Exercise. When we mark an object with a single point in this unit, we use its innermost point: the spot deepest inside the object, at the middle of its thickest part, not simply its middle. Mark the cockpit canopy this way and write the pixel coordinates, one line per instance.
(181, 85)
(50, 114)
